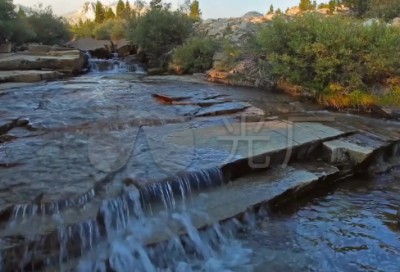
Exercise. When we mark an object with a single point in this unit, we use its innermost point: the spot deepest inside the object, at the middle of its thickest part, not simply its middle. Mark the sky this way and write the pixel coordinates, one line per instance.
(209, 8)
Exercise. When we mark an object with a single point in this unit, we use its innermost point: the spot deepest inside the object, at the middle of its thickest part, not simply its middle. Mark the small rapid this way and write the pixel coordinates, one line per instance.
(139, 246)
(113, 66)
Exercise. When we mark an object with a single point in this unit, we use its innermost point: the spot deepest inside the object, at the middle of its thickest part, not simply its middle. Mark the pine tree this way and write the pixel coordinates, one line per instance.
(110, 14)
(156, 4)
(332, 6)
(271, 9)
(99, 13)
(120, 9)
(278, 11)
(139, 6)
(21, 13)
(314, 4)
(195, 10)
(128, 9)
(287, 10)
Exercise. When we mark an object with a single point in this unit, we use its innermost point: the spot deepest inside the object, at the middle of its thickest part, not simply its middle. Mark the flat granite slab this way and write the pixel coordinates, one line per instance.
(67, 165)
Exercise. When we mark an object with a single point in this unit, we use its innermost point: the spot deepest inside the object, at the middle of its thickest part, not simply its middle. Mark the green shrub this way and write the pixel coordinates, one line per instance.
(384, 9)
(333, 55)
(103, 30)
(84, 29)
(195, 55)
(159, 31)
(118, 31)
(8, 17)
(49, 28)
(36, 25)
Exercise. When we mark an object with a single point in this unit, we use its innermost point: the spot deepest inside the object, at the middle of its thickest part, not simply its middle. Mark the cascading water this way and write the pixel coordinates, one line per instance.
(113, 65)
(132, 232)
(139, 245)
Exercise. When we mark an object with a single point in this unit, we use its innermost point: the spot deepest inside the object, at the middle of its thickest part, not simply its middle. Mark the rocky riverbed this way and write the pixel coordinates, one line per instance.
(79, 157)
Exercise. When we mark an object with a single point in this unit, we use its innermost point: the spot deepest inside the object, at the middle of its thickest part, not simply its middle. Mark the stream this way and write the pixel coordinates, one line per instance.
(79, 130)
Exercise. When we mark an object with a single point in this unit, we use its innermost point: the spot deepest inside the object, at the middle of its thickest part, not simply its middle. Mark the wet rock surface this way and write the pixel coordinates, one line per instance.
(69, 145)
(68, 61)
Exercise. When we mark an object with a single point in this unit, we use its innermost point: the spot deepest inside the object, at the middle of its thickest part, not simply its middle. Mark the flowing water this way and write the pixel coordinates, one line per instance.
(352, 228)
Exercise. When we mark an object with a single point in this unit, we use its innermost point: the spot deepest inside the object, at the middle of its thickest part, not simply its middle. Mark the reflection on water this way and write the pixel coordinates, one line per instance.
(351, 229)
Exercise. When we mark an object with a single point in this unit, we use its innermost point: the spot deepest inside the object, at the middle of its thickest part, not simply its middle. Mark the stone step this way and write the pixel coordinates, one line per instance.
(275, 139)
(267, 189)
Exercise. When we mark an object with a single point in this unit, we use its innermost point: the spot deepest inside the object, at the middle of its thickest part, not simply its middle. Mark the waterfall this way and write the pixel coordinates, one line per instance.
(114, 65)
(140, 228)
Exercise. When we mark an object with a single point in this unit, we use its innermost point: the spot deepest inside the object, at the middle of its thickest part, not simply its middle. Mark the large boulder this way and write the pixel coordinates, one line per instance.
(252, 14)
(5, 47)
(396, 21)
(27, 76)
(100, 49)
(38, 48)
(69, 62)
(124, 48)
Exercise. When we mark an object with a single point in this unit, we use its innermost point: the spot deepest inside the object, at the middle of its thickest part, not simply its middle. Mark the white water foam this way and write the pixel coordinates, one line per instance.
(113, 66)
(125, 250)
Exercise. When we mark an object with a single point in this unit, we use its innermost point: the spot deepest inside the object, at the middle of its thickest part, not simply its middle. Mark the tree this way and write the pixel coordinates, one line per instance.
(359, 7)
(156, 4)
(278, 11)
(128, 10)
(99, 13)
(159, 31)
(21, 13)
(109, 14)
(120, 9)
(271, 9)
(7, 18)
(47, 27)
(139, 6)
(195, 10)
(332, 6)
(186, 6)
(314, 4)
(287, 10)
(305, 5)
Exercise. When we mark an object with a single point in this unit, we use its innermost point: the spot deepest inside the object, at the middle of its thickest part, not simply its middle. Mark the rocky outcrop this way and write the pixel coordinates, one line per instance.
(39, 48)
(28, 76)
(68, 62)
(100, 49)
(5, 47)
(124, 48)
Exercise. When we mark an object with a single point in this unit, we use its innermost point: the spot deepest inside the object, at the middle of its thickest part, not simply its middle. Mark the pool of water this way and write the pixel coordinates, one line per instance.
(353, 227)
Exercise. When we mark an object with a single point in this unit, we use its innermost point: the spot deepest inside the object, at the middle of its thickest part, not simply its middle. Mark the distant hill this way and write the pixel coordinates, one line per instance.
(87, 11)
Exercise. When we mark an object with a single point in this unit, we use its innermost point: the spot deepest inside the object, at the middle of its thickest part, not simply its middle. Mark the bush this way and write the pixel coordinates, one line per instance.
(103, 30)
(384, 9)
(84, 29)
(49, 28)
(118, 30)
(8, 17)
(195, 55)
(332, 57)
(232, 54)
(112, 29)
(159, 31)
